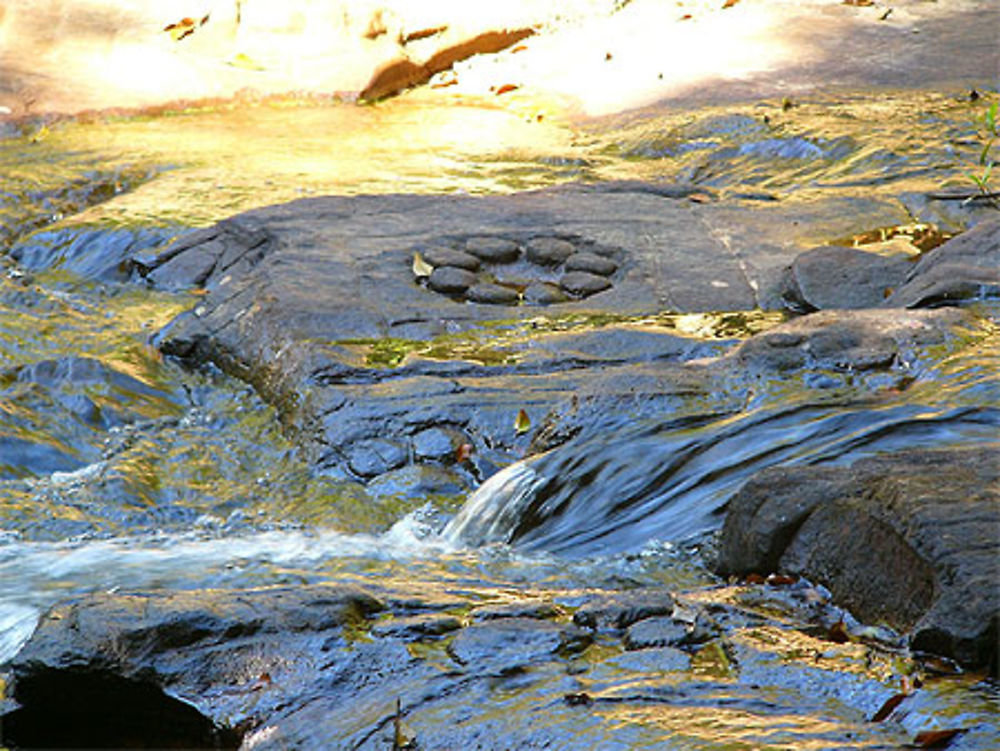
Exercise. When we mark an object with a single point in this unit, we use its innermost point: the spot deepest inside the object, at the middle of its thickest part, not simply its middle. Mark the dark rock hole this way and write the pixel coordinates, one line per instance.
(86, 710)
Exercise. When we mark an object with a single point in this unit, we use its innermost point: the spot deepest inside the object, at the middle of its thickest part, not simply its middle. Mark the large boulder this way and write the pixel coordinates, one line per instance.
(910, 539)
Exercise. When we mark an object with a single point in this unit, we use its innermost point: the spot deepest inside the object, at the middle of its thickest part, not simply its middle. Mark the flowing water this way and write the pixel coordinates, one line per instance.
(119, 470)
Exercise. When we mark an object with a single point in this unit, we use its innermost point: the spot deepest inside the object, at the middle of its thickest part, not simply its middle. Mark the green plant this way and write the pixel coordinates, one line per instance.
(991, 130)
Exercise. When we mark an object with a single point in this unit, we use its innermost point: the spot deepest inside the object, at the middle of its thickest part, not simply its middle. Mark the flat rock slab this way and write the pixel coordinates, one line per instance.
(909, 539)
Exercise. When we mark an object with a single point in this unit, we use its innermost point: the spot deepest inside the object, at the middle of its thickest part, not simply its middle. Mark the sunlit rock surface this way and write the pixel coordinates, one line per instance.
(595, 56)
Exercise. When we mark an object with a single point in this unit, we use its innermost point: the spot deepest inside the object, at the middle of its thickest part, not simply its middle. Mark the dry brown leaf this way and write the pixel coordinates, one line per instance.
(522, 423)
(887, 708)
(937, 738)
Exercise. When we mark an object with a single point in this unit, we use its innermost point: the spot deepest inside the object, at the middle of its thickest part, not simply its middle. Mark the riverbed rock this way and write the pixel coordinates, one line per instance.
(909, 539)
(963, 269)
(846, 278)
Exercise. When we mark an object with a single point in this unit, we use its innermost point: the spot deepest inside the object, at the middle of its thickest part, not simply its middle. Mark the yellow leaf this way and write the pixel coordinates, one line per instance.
(420, 267)
(522, 423)
(240, 60)
(39, 135)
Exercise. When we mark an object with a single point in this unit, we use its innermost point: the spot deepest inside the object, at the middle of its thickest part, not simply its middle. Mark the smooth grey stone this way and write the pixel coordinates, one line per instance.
(591, 263)
(540, 293)
(441, 255)
(492, 294)
(493, 249)
(549, 251)
(449, 279)
(583, 284)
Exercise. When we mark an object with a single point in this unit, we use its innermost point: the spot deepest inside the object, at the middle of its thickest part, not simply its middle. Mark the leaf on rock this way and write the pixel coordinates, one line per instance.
(729, 4)
(887, 708)
(522, 423)
(185, 27)
(838, 633)
(506, 88)
(463, 453)
(421, 268)
(781, 580)
(937, 738)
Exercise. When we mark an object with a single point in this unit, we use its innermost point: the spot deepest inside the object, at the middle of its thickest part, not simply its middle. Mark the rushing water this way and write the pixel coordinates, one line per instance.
(121, 470)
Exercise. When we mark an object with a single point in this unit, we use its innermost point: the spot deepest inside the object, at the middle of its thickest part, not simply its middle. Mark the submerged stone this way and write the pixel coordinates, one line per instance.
(591, 263)
(583, 284)
(449, 279)
(492, 294)
(548, 251)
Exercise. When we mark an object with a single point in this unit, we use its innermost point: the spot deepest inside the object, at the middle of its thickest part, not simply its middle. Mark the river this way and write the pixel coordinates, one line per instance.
(120, 470)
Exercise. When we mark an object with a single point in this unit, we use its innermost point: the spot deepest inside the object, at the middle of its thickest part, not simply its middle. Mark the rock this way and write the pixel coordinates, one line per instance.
(116, 654)
(369, 458)
(848, 341)
(844, 278)
(583, 284)
(539, 293)
(908, 539)
(548, 251)
(440, 255)
(401, 74)
(591, 263)
(417, 627)
(541, 610)
(662, 631)
(436, 444)
(450, 280)
(507, 644)
(492, 294)
(965, 268)
(620, 610)
(493, 249)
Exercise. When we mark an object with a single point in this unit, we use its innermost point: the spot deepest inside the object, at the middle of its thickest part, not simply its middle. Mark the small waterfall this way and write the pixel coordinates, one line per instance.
(615, 492)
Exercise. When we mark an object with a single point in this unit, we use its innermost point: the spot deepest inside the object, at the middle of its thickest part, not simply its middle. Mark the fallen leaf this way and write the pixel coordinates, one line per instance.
(699, 198)
(505, 88)
(240, 60)
(39, 135)
(838, 633)
(414, 36)
(781, 580)
(686, 17)
(263, 681)
(755, 578)
(185, 27)
(937, 738)
(886, 709)
(522, 423)
(445, 84)
(729, 4)
(421, 268)
(519, 48)
(463, 452)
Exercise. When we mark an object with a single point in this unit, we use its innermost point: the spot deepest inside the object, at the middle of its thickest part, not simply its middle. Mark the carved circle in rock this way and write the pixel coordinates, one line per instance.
(529, 270)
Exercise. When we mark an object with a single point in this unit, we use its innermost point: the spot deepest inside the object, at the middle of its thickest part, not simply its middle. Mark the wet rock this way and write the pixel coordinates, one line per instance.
(450, 280)
(436, 444)
(848, 340)
(117, 654)
(662, 631)
(508, 644)
(417, 626)
(842, 278)
(620, 610)
(493, 249)
(492, 294)
(539, 293)
(548, 251)
(907, 539)
(440, 255)
(965, 268)
(521, 609)
(369, 458)
(103, 253)
(591, 263)
(583, 284)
